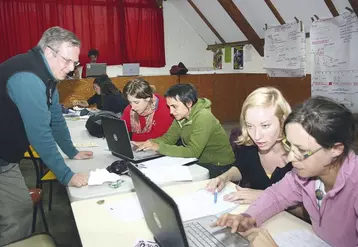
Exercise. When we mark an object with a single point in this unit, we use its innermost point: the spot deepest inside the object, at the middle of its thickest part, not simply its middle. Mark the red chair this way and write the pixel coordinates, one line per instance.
(36, 196)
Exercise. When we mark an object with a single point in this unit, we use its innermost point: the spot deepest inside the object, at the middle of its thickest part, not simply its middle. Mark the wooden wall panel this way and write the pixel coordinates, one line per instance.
(226, 91)
(83, 89)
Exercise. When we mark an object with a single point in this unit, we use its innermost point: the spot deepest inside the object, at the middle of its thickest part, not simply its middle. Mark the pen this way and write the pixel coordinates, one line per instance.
(216, 196)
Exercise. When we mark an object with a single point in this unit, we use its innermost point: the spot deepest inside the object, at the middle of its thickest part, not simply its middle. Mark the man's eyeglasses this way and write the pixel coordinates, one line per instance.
(298, 155)
(67, 61)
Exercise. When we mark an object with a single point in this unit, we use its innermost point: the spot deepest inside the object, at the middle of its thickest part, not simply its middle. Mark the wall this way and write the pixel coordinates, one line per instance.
(183, 44)
(226, 91)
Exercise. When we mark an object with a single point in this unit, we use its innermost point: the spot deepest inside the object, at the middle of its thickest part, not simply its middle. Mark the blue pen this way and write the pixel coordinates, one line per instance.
(216, 196)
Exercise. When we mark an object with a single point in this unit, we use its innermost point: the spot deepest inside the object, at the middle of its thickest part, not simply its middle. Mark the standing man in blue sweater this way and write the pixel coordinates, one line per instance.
(29, 103)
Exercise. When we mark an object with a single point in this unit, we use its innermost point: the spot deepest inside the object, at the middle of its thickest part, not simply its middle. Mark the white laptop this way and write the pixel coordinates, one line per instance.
(131, 69)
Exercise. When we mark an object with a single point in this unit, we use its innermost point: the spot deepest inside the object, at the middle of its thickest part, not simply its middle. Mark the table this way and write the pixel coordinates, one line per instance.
(97, 227)
(103, 158)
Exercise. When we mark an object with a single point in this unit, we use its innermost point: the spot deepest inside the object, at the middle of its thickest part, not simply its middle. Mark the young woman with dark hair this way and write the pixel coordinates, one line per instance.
(147, 116)
(107, 96)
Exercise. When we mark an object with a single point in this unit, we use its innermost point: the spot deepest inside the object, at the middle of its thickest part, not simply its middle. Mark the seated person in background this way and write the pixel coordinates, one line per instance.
(147, 115)
(200, 131)
(107, 97)
(93, 56)
(320, 134)
(261, 158)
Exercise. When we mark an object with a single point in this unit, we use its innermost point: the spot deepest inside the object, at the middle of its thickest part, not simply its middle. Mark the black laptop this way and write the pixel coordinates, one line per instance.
(118, 141)
(163, 219)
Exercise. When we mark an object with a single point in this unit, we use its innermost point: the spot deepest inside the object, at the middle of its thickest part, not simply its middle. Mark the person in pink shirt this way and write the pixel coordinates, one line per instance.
(147, 116)
(319, 138)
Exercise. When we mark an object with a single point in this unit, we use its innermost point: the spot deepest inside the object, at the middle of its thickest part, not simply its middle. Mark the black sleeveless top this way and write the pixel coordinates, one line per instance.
(253, 174)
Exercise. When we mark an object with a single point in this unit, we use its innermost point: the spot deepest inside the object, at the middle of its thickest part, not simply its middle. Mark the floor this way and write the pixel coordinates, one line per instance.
(60, 219)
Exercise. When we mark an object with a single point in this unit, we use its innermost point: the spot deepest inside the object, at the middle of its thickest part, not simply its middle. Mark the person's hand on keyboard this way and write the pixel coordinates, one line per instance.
(237, 222)
(148, 145)
(259, 237)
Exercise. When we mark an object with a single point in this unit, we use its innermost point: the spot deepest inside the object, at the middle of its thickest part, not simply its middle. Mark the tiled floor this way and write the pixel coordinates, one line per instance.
(60, 219)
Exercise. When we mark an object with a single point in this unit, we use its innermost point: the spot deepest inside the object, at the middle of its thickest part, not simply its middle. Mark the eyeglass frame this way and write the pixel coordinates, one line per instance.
(304, 156)
(67, 61)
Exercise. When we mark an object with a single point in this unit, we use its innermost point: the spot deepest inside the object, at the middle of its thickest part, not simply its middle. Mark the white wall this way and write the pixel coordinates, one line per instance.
(183, 44)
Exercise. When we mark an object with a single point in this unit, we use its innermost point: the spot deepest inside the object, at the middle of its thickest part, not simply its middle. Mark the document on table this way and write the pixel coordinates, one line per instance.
(201, 203)
(168, 161)
(191, 206)
(302, 238)
(168, 174)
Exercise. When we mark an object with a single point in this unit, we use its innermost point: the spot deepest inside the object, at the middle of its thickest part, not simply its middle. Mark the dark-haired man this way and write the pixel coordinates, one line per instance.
(200, 131)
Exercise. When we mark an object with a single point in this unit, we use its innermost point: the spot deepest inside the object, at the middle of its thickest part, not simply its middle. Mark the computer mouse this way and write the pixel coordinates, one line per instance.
(118, 167)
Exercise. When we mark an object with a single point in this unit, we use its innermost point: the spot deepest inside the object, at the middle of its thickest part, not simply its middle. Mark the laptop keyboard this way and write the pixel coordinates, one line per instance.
(198, 236)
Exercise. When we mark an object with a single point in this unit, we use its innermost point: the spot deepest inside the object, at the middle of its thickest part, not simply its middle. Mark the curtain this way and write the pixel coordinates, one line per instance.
(99, 24)
(143, 33)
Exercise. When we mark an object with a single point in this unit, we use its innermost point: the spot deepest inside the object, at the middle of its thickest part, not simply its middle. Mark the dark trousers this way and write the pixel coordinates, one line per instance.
(215, 170)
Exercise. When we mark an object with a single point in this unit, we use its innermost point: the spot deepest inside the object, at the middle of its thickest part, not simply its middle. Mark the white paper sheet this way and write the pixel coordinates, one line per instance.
(167, 174)
(201, 203)
(100, 176)
(191, 206)
(166, 161)
(302, 238)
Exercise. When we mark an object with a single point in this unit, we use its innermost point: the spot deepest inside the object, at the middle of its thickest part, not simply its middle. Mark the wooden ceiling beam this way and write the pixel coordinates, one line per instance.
(275, 12)
(331, 7)
(354, 4)
(206, 21)
(238, 43)
(245, 27)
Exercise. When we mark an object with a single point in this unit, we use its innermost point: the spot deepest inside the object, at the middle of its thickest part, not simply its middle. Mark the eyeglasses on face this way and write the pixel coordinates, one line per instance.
(298, 155)
(67, 61)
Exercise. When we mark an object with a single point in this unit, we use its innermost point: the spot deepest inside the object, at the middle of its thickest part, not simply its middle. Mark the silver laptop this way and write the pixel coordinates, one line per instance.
(131, 69)
(163, 219)
(96, 69)
(117, 137)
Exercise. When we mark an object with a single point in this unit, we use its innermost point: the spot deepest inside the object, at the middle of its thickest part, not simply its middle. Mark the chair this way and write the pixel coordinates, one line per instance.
(36, 196)
(42, 176)
(35, 240)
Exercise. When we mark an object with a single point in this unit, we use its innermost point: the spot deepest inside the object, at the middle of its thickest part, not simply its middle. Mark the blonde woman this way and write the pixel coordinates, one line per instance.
(261, 159)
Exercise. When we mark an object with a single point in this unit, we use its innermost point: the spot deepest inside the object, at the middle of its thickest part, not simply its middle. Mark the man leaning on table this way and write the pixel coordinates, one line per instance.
(31, 115)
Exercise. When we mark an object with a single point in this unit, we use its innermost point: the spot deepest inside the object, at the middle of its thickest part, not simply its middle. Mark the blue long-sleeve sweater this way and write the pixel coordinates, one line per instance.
(44, 127)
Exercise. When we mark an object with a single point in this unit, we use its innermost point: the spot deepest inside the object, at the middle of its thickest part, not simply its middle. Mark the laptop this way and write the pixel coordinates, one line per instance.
(117, 137)
(131, 69)
(96, 69)
(163, 219)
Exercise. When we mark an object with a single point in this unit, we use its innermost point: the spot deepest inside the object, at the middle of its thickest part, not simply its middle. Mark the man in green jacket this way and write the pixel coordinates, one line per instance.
(200, 132)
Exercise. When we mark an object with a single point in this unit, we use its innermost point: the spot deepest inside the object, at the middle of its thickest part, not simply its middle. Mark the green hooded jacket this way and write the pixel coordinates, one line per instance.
(202, 135)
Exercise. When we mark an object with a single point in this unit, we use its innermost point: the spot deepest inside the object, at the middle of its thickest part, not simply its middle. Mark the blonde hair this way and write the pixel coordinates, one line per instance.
(263, 97)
